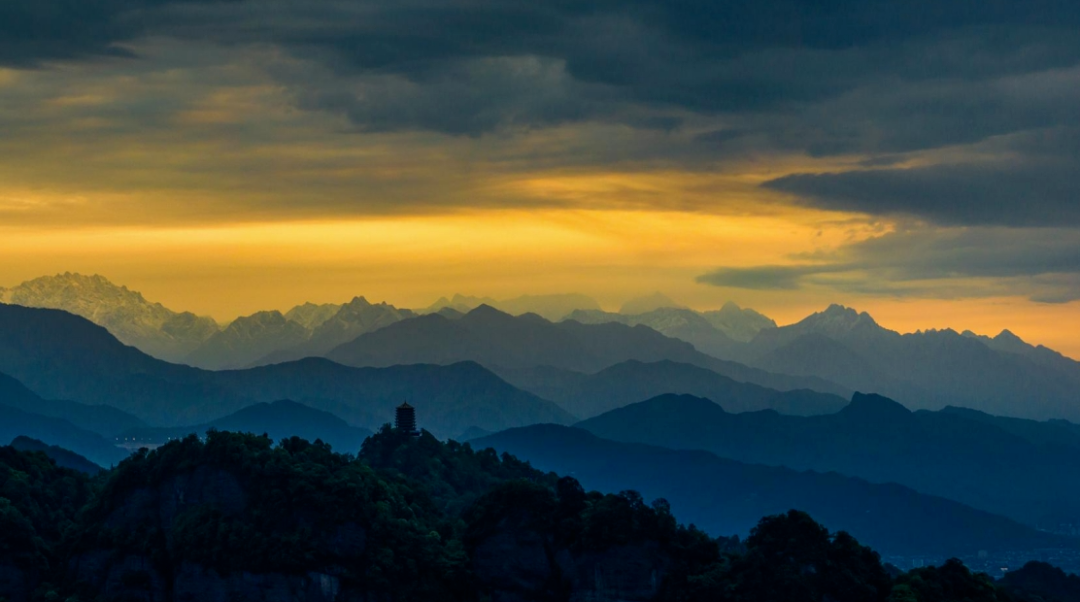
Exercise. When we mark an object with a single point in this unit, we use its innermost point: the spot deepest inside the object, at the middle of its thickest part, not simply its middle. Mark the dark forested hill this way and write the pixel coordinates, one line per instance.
(587, 395)
(492, 338)
(725, 496)
(1014, 467)
(236, 517)
(59, 355)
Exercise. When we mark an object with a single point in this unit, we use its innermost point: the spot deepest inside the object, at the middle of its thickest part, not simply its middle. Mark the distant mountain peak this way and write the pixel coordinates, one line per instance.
(1007, 335)
(485, 310)
(870, 405)
(125, 313)
(647, 303)
(838, 319)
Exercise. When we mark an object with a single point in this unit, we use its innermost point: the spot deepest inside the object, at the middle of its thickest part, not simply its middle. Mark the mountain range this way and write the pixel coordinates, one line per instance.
(132, 319)
(717, 333)
(931, 369)
(727, 497)
(280, 420)
(587, 395)
(1019, 468)
(550, 307)
(500, 341)
(838, 350)
(59, 355)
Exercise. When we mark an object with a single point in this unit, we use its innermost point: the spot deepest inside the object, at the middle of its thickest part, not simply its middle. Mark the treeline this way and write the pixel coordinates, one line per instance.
(416, 519)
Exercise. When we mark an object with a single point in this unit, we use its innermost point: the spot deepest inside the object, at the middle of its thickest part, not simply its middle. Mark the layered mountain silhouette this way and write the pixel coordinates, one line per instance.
(647, 303)
(347, 322)
(59, 355)
(135, 321)
(1019, 468)
(63, 457)
(929, 370)
(101, 419)
(550, 307)
(247, 339)
(723, 496)
(718, 333)
(587, 395)
(499, 340)
(280, 420)
(57, 431)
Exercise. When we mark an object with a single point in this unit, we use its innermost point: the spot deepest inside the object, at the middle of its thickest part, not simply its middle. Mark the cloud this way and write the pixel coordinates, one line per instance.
(1041, 264)
(1027, 181)
(33, 32)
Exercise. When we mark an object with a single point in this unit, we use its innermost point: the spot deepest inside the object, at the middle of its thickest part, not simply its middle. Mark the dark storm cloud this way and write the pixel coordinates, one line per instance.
(34, 31)
(1029, 181)
(772, 61)
(1042, 264)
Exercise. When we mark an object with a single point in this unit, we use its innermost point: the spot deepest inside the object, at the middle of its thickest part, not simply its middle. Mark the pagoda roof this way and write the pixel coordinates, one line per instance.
(405, 406)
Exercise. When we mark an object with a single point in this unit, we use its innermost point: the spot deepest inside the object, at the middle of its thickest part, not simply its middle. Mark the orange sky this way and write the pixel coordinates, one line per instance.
(232, 270)
(194, 175)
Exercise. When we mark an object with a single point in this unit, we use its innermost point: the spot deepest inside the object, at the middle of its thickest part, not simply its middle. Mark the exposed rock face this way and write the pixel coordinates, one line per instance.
(519, 563)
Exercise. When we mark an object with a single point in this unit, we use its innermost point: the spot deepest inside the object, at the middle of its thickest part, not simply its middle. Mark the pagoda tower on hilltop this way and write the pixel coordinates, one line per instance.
(405, 419)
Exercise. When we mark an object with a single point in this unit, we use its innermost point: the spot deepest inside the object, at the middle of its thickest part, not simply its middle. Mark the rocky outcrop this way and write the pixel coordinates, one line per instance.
(520, 563)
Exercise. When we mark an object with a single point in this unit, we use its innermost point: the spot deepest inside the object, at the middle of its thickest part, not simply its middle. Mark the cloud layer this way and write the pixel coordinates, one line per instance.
(952, 125)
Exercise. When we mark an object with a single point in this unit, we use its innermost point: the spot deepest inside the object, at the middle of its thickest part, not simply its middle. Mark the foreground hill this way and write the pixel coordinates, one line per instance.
(132, 319)
(1022, 469)
(498, 340)
(279, 420)
(587, 395)
(237, 518)
(927, 370)
(725, 496)
(59, 355)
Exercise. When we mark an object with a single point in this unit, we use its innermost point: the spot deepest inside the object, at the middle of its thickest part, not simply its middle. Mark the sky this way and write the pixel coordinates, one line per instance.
(916, 160)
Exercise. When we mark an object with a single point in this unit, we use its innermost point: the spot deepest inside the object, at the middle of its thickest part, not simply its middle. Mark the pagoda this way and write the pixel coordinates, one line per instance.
(405, 419)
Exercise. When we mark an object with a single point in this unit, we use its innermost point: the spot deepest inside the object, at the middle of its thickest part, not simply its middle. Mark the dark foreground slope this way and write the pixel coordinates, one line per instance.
(724, 496)
(237, 518)
(61, 356)
(1020, 468)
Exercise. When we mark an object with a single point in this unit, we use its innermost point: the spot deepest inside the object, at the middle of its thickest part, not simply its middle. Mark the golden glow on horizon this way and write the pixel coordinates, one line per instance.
(233, 270)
